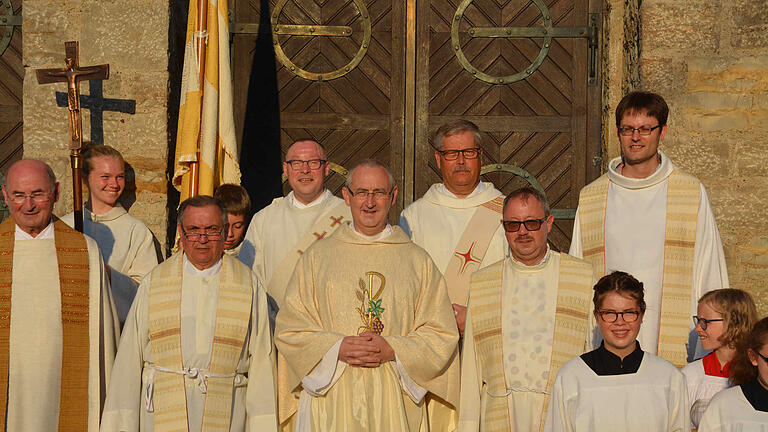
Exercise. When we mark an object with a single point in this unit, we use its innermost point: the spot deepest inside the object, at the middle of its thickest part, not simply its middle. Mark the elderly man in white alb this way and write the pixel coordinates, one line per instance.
(282, 231)
(648, 218)
(366, 330)
(456, 221)
(528, 315)
(196, 350)
(58, 324)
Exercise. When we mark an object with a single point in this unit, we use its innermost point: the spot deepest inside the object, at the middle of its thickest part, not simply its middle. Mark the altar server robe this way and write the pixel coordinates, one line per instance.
(128, 247)
(320, 309)
(731, 411)
(35, 369)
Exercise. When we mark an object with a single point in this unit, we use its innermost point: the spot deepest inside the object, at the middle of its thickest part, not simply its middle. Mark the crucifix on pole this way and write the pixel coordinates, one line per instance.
(97, 104)
(72, 74)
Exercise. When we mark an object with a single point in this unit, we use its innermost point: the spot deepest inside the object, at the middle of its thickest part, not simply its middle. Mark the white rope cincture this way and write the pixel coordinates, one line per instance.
(200, 375)
(201, 35)
(516, 389)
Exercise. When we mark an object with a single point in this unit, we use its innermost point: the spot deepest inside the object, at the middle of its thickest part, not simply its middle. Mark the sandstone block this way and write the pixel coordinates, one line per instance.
(687, 27)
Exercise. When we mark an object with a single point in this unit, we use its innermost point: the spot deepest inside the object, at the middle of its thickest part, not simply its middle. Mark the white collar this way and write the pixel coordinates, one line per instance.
(480, 188)
(191, 270)
(301, 206)
(658, 176)
(46, 233)
(386, 232)
(538, 265)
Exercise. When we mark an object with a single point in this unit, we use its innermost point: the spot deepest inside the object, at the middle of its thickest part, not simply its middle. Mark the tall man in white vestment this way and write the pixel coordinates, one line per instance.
(528, 315)
(196, 351)
(456, 221)
(282, 231)
(648, 218)
(58, 323)
(366, 330)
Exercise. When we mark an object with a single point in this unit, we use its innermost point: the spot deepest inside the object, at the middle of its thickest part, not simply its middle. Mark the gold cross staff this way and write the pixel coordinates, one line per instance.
(72, 74)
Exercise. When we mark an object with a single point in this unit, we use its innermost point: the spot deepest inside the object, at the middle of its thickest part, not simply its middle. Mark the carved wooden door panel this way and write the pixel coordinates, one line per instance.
(536, 99)
(11, 77)
(339, 76)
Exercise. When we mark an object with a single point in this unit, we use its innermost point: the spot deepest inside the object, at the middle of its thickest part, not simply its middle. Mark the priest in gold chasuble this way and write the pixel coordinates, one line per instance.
(58, 323)
(528, 315)
(366, 330)
(196, 351)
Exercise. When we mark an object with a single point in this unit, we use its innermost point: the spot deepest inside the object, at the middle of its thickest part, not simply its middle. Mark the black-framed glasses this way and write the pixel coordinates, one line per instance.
(530, 224)
(209, 234)
(470, 153)
(642, 130)
(613, 316)
(765, 359)
(313, 164)
(37, 197)
(377, 194)
(703, 322)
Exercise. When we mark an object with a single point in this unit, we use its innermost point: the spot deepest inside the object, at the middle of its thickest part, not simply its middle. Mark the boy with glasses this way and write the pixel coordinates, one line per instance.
(648, 218)
(528, 315)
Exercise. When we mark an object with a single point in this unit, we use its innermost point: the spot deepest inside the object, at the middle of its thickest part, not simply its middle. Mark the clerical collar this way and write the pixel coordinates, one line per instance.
(113, 213)
(661, 174)
(386, 232)
(191, 270)
(538, 265)
(712, 366)
(300, 205)
(480, 188)
(756, 394)
(45, 234)
(604, 362)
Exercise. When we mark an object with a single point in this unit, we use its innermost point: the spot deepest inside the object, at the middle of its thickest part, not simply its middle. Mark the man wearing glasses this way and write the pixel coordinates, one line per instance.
(528, 315)
(282, 231)
(648, 218)
(58, 325)
(366, 330)
(456, 221)
(196, 350)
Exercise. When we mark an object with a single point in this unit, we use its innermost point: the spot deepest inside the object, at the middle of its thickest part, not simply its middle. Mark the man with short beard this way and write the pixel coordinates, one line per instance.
(457, 221)
(282, 231)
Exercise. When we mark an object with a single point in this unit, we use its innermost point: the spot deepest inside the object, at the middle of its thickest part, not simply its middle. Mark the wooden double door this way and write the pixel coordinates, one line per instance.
(375, 78)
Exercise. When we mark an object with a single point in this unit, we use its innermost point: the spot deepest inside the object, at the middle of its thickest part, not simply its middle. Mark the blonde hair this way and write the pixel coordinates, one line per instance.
(738, 310)
(93, 151)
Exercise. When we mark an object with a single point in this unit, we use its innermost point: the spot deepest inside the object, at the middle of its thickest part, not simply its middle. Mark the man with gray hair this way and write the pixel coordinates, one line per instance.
(196, 350)
(58, 324)
(366, 331)
(282, 231)
(528, 315)
(456, 221)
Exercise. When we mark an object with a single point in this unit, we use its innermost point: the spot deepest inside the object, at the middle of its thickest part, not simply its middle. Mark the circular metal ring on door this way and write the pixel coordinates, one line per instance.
(319, 30)
(547, 29)
(7, 23)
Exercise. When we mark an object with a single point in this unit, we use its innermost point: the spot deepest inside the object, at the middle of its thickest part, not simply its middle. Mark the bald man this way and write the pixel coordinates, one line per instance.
(283, 230)
(58, 323)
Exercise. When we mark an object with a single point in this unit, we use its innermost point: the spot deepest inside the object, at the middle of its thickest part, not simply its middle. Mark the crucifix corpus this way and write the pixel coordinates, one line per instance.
(72, 74)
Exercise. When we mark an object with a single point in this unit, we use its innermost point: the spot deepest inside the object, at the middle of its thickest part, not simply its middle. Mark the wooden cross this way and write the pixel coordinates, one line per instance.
(72, 74)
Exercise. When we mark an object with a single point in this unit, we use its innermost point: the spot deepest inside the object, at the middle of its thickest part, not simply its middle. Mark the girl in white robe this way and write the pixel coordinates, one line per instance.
(128, 247)
(723, 320)
(743, 407)
(618, 387)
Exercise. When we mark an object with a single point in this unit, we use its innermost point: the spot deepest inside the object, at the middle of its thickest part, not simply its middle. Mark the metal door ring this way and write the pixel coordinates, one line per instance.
(509, 78)
(315, 76)
(7, 23)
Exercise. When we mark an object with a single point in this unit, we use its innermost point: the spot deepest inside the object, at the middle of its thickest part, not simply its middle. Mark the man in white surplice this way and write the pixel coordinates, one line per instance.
(45, 268)
(445, 220)
(279, 233)
(196, 350)
(627, 220)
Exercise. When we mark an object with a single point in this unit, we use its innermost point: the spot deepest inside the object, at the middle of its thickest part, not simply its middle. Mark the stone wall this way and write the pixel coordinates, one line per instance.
(709, 59)
(133, 38)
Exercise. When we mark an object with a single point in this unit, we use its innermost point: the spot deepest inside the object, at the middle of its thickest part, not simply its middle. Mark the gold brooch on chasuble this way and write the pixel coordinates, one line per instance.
(370, 309)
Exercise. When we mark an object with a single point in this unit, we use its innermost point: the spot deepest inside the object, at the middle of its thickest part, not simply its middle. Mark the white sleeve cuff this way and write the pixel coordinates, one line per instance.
(413, 390)
(326, 373)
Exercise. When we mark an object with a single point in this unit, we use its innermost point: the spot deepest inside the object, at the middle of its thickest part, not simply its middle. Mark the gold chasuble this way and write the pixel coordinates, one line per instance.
(683, 195)
(344, 285)
(574, 293)
(233, 312)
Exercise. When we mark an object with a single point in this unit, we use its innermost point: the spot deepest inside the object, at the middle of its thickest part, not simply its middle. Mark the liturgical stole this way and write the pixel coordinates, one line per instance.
(72, 259)
(233, 314)
(574, 293)
(471, 248)
(683, 195)
(325, 224)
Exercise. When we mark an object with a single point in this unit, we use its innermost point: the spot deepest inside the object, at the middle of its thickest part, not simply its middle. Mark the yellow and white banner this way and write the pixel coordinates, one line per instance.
(205, 110)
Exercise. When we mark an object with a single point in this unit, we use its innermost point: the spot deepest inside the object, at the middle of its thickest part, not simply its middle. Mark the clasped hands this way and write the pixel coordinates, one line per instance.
(365, 350)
